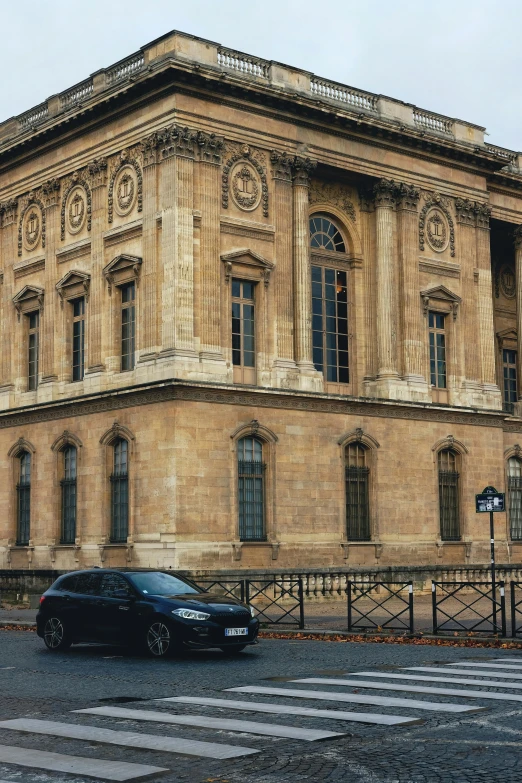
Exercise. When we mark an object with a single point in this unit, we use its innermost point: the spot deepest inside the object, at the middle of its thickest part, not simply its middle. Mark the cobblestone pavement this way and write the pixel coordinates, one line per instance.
(482, 742)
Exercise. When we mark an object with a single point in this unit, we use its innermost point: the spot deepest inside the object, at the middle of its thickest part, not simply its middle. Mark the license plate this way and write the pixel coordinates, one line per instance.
(236, 631)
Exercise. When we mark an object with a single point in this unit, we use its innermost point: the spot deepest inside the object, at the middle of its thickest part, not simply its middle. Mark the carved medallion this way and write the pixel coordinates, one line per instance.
(506, 278)
(32, 228)
(245, 185)
(76, 210)
(125, 189)
(437, 232)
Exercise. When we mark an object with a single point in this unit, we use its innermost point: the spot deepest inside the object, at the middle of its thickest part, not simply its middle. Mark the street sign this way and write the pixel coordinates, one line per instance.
(489, 501)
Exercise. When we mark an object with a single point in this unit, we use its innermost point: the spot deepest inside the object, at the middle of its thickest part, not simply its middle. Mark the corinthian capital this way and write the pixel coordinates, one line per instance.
(408, 197)
(517, 237)
(386, 193)
(465, 209)
(149, 150)
(177, 141)
(281, 165)
(301, 170)
(8, 212)
(483, 214)
(97, 170)
(51, 192)
(210, 147)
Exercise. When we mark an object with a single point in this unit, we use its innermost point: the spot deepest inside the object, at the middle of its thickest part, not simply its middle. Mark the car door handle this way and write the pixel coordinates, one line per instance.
(124, 608)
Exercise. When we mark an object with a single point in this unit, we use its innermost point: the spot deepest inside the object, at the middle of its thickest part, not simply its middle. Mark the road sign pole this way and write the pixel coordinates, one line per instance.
(493, 575)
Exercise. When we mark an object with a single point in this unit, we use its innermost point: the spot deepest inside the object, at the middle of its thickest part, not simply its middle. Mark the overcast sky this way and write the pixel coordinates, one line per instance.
(456, 57)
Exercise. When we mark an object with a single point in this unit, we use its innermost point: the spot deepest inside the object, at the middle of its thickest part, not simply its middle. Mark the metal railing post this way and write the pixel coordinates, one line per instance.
(349, 588)
(301, 603)
(434, 605)
(513, 611)
(410, 601)
(503, 608)
(245, 589)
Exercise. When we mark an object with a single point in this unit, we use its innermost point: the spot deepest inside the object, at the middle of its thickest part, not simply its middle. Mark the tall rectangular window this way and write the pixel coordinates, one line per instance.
(34, 347)
(251, 491)
(78, 344)
(437, 336)
(23, 492)
(515, 498)
(449, 496)
(68, 485)
(128, 325)
(120, 492)
(243, 332)
(330, 323)
(357, 476)
(509, 365)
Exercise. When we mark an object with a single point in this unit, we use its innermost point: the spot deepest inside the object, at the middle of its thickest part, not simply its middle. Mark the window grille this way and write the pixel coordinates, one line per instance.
(437, 350)
(449, 496)
(34, 340)
(330, 323)
(324, 235)
(509, 364)
(128, 326)
(78, 352)
(243, 331)
(357, 476)
(68, 484)
(23, 491)
(515, 498)
(251, 490)
(120, 493)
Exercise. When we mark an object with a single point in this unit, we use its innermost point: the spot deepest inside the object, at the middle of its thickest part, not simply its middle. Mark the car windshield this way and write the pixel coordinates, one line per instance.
(157, 583)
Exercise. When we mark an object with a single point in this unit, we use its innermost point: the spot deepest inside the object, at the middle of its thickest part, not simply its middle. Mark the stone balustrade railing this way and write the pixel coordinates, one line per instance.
(508, 155)
(33, 117)
(432, 122)
(243, 63)
(76, 94)
(333, 91)
(125, 68)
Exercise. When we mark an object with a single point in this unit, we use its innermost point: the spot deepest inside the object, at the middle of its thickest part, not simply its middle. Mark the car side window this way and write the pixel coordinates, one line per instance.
(88, 584)
(68, 584)
(112, 583)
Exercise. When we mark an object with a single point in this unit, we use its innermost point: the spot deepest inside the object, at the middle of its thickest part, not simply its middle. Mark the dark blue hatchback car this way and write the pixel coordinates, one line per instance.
(154, 611)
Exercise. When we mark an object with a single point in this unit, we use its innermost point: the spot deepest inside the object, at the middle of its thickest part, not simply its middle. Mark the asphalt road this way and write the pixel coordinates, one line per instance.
(444, 746)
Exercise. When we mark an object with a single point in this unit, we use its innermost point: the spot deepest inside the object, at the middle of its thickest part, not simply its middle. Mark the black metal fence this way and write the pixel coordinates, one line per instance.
(380, 606)
(516, 611)
(275, 601)
(469, 607)
(232, 589)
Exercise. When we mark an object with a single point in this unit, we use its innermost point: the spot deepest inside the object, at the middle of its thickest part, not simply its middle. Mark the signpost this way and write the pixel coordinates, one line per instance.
(491, 500)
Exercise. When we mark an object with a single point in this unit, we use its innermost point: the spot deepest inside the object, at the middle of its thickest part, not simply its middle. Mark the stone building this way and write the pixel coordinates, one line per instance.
(251, 318)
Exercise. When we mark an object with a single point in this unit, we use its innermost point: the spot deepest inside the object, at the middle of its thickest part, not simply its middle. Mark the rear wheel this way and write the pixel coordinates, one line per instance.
(158, 639)
(233, 649)
(56, 636)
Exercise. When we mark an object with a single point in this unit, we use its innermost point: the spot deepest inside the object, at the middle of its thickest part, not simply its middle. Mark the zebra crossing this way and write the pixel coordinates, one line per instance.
(496, 681)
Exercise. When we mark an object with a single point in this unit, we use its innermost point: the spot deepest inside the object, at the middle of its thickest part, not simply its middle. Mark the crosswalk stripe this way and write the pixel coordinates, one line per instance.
(424, 678)
(130, 739)
(466, 672)
(511, 660)
(221, 724)
(385, 686)
(77, 765)
(380, 701)
(486, 665)
(287, 709)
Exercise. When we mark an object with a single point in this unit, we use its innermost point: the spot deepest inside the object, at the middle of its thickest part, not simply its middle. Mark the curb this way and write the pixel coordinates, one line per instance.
(384, 637)
(18, 624)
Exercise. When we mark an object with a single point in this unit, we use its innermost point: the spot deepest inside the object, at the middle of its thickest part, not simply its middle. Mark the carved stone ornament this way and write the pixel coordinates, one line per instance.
(126, 182)
(51, 192)
(332, 193)
(97, 170)
(31, 226)
(76, 205)
(517, 237)
(281, 165)
(210, 147)
(386, 193)
(177, 141)
(505, 281)
(436, 224)
(472, 213)
(246, 187)
(408, 197)
(8, 212)
(242, 170)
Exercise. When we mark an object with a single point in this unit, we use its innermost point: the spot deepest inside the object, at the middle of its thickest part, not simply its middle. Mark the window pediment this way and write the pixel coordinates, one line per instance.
(73, 285)
(122, 269)
(247, 264)
(440, 299)
(27, 300)
(507, 338)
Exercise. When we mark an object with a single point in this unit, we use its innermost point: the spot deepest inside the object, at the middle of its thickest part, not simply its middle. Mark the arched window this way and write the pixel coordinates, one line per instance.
(120, 492)
(329, 303)
(251, 489)
(514, 482)
(357, 474)
(68, 485)
(448, 464)
(23, 492)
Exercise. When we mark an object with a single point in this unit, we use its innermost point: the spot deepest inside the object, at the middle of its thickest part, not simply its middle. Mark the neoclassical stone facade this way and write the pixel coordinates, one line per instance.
(250, 318)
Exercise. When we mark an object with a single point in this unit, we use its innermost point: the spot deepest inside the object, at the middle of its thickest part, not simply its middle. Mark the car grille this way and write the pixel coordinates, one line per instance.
(232, 619)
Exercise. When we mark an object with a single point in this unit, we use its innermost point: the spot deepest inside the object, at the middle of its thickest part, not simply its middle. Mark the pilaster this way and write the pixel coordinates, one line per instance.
(413, 332)
(309, 378)
(284, 370)
(147, 332)
(492, 397)
(471, 368)
(8, 220)
(367, 207)
(51, 196)
(97, 173)
(517, 236)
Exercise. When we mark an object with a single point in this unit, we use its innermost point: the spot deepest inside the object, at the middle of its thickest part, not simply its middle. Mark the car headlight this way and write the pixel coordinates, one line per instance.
(190, 614)
(252, 610)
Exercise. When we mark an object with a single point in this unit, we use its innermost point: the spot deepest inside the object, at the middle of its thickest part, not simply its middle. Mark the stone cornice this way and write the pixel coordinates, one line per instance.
(164, 391)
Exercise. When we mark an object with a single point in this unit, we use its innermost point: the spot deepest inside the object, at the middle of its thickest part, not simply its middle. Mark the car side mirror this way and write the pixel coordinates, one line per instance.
(122, 594)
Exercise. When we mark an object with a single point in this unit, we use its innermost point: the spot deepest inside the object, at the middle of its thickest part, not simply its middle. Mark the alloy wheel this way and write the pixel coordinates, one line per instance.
(54, 633)
(158, 639)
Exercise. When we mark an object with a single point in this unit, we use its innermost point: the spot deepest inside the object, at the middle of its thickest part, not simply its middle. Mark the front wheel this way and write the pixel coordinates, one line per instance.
(233, 649)
(158, 639)
(55, 635)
